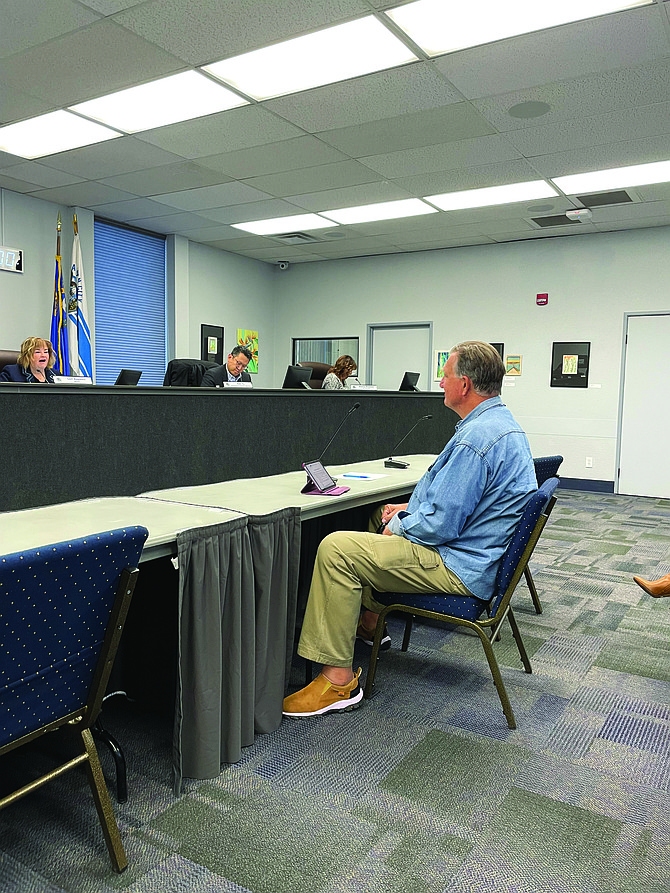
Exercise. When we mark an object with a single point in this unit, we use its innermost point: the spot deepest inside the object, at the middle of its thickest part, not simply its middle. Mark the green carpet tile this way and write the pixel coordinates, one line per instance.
(424, 789)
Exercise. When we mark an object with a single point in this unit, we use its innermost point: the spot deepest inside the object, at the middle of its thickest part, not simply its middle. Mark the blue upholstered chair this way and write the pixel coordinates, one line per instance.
(63, 607)
(483, 618)
(545, 467)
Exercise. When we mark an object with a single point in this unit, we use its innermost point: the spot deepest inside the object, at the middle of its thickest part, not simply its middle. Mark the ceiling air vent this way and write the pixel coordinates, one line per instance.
(619, 197)
(294, 238)
(554, 220)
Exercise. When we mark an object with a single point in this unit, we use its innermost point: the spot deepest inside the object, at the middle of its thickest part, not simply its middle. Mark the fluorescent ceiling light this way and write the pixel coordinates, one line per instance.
(324, 57)
(492, 195)
(51, 133)
(407, 207)
(179, 97)
(616, 178)
(440, 27)
(278, 225)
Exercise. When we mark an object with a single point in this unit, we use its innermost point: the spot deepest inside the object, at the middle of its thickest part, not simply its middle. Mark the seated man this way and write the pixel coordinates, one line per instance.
(450, 537)
(232, 370)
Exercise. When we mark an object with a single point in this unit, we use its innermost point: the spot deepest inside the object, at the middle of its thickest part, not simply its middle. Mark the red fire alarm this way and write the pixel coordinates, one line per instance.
(541, 300)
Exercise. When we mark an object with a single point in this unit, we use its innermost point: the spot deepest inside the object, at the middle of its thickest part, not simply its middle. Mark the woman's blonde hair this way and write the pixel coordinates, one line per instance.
(29, 346)
(344, 366)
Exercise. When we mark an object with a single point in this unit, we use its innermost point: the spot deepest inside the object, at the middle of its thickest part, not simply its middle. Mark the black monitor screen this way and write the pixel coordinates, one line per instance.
(409, 381)
(296, 375)
(128, 376)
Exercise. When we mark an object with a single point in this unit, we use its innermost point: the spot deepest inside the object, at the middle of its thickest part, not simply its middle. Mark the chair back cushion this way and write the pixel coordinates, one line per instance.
(8, 358)
(55, 604)
(186, 373)
(319, 372)
(546, 467)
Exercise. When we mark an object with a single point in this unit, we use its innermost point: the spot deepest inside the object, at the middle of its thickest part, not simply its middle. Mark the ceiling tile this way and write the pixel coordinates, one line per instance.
(213, 233)
(384, 94)
(449, 123)
(595, 158)
(570, 51)
(16, 185)
(133, 209)
(313, 179)
(273, 207)
(167, 178)
(348, 196)
(657, 192)
(44, 177)
(232, 193)
(83, 194)
(645, 223)
(623, 213)
(104, 160)
(96, 60)
(483, 150)
(436, 244)
(171, 223)
(287, 155)
(26, 23)
(643, 85)
(224, 132)
(109, 7)
(515, 171)
(16, 104)
(210, 30)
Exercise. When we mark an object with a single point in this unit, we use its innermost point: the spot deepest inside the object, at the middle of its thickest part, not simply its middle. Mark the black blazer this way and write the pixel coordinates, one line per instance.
(18, 373)
(218, 375)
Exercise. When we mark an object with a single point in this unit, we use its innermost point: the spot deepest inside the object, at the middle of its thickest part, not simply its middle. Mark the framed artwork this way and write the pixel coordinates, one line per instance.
(211, 343)
(513, 364)
(499, 347)
(441, 357)
(249, 339)
(570, 364)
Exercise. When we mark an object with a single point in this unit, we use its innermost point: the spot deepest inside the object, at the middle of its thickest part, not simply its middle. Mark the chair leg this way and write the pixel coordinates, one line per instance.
(497, 679)
(101, 734)
(533, 591)
(103, 804)
(374, 656)
(408, 632)
(519, 641)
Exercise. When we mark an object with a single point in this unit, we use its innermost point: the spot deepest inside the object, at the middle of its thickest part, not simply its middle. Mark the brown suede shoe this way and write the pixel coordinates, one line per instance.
(322, 696)
(656, 588)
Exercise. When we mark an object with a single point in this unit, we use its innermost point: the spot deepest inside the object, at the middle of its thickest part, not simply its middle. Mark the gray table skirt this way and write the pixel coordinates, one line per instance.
(238, 584)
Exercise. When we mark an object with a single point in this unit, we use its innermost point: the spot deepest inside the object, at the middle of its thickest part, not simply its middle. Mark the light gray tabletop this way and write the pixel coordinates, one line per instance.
(267, 494)
(35, 527)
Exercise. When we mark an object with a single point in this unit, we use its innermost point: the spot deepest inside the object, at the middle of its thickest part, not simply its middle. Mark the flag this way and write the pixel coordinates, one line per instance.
(59, 315)
(79, 335)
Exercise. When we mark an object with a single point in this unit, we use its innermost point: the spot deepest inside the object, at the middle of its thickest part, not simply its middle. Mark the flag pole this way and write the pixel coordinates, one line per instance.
(59, 316)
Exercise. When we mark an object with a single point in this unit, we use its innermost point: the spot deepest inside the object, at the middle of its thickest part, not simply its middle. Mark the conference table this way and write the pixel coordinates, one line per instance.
(237, 546)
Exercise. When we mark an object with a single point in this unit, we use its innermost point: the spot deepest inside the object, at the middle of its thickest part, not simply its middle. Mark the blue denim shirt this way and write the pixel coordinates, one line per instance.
(471, 499)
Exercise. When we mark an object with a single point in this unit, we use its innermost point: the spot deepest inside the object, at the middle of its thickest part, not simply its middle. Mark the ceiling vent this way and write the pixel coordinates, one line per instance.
(619, 197)
(554, 220)
(294, 238)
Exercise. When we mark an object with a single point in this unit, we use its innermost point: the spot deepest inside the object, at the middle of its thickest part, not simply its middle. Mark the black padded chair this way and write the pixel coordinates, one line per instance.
(63, 608)
(319, 372)
(482, 618)
(8, 358)
(545, 467)
(186, 373)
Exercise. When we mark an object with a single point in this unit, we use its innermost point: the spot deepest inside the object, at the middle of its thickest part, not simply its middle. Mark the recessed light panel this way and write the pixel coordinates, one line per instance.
(615, 178)
(407, 207)
(179, 97)
(440, 27)
(492, 195)
(324, 57)
(284, 224)
(51, 133)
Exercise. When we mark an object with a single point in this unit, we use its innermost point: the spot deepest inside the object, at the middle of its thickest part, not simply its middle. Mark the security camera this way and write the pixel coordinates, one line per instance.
(282, 264)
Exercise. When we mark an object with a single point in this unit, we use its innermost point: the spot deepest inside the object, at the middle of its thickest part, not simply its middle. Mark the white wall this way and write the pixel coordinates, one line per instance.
(488, 292)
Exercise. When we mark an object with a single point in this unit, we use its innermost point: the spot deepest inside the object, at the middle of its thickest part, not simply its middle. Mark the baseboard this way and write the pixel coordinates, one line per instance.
(583, 484)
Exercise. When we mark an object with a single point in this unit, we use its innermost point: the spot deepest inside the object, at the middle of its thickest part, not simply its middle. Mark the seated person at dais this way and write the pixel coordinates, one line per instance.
(233, 370)
(338, 374)
(34, 365)
(450, 537)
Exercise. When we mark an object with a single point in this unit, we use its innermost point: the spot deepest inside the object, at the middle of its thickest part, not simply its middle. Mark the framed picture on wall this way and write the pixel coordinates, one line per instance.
(570, 364)
(211, 343)
(441, 357)
(499, 347)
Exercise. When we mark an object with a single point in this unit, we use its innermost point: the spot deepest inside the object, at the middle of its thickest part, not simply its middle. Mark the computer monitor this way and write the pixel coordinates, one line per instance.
(128, 377)
(409, 381)
(297, 376)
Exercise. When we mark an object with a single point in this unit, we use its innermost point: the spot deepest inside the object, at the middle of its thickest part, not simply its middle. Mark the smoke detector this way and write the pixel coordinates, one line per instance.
(583, 215)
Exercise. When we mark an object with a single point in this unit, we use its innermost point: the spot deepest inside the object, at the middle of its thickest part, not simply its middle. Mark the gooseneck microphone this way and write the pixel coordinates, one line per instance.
(337, 430)
(398, 463)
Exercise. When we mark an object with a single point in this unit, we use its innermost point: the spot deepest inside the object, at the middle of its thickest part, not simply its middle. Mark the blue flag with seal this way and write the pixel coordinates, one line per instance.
(79, 334)
(59, 314)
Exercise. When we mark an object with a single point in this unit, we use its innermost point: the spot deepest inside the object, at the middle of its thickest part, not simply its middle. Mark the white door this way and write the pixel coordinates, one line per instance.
(396, 350)
(644, 454)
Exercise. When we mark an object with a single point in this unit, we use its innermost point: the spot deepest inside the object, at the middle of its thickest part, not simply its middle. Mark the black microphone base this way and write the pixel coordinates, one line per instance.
(395, 463)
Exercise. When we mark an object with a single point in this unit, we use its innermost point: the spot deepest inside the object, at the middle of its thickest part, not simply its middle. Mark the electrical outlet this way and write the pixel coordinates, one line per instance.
(589, 462)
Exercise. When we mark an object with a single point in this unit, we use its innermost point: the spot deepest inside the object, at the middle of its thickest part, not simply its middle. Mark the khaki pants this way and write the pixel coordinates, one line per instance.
(349, 566)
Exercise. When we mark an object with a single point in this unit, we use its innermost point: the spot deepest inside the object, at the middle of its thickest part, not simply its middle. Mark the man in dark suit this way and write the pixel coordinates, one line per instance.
(232, 370)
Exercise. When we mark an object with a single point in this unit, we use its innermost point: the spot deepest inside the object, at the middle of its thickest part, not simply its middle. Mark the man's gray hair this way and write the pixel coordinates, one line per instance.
(239, 349)
(482, 365)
